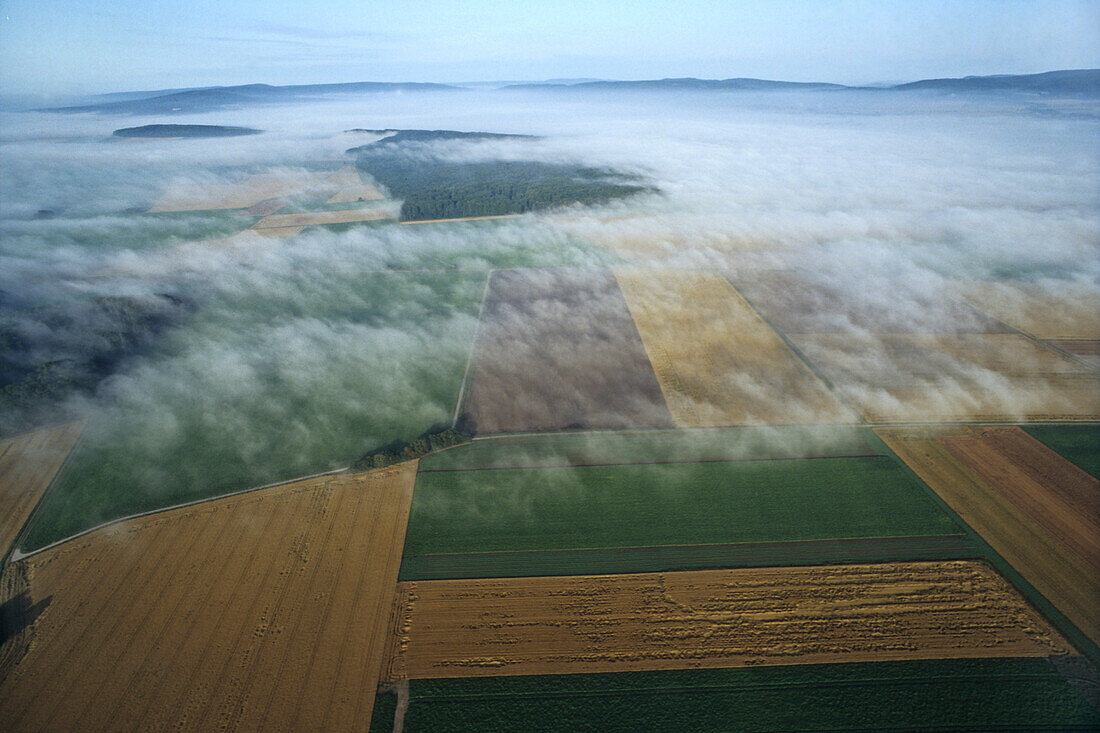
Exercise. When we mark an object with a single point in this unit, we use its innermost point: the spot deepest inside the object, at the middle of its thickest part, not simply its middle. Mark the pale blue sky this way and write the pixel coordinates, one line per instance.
(86, 46)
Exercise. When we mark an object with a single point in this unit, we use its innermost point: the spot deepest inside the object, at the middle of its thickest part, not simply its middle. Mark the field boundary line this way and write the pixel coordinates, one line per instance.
(18, 554)
(832, 388)
(461, 218)
(473, 347)
(654, 463)
(746, 545)
(12, 552)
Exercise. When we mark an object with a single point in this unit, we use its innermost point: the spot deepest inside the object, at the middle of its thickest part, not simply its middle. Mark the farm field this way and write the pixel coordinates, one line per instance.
(263, 611)
(953, 378)
(972, 694)
(1076, 443)
(28, 464)
(425, 317)
(711, 618)
(1070, 313)
(1055, 494)
(1086, 350)
(315, 218)
(557, 349)
(654, 446)
(805, 302)
(352, 187)
(208, 196)
(717, 361)
(944, 459)
(650, 506)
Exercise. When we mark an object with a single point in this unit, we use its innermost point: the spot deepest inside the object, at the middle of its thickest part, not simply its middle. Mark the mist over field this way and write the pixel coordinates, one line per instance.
(266, 359)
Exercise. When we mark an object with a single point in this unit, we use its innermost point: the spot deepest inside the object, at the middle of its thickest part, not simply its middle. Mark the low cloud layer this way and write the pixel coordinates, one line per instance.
(298, 355)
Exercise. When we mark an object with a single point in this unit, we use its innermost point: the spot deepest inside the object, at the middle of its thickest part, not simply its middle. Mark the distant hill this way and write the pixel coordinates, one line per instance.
(1075, 82)
(1071, 82)
(160, 131)
(1081, 81)
(687, 83)
(214, 98)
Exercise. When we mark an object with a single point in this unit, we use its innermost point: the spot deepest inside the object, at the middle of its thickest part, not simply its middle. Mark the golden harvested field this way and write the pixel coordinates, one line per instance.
(716, 359)
(1069, 582)
(954, 377)
(656, 241)
(1086, 350)
(1067, 312)
(267, 610)
(712, 618)
(28, 463)
(352, 187)
(195, 196)
(314, 218)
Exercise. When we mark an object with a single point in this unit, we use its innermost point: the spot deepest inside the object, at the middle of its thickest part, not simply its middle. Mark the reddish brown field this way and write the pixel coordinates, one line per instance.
(712, 618)
(263, 611)
(803, 302)
(1031, 505)
(558, 349)
(28, 464)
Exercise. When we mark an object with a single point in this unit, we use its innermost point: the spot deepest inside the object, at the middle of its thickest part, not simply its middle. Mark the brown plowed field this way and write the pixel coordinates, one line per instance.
(1068, 311)
(558, 349)
(263, 611)
(712, 618)
(1069, 582)
(1054, 493)
(28, 464)
(314, 218)
(802, 302)
(954, 378)
(718, 362)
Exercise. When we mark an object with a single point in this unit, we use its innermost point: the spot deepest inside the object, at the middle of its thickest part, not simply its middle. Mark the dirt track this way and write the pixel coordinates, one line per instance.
(711, 618)
(314, 218)
(718, 362)
(28, 464)
(1060, 574)
(262, 611)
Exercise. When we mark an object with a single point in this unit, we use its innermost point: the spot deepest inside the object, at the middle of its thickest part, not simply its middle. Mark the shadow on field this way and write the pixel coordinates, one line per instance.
(17, 613)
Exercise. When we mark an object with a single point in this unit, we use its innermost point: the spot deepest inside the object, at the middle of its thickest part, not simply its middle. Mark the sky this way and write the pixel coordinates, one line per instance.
(58, 47)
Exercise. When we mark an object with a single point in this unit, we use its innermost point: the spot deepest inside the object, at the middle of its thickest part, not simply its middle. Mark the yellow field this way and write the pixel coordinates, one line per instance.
(193, 196)
(1063, 577)
(1071, 312)
(263, 611)
(712, 618)
(314, 218)
(28, 464)
(352, 187)
(954, 378)
(716, 359)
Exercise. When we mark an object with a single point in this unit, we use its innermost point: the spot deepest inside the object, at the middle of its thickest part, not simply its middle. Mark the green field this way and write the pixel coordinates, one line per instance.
(653, 446)
(488, 512)
(973, 695)
(1079, 444)
(259, 387)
